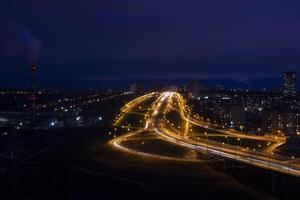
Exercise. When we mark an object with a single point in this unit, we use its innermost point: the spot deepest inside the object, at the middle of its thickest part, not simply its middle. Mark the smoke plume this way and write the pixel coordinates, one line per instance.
(17, 40)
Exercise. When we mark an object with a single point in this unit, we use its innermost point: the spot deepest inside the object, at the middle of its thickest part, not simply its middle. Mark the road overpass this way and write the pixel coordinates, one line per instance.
(156, 120)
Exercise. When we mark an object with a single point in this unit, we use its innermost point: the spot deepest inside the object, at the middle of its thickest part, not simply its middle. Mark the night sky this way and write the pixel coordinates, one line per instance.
(94, 43)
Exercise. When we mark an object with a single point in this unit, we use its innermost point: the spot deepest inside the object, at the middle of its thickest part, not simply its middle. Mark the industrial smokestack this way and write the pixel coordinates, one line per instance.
(17, 40)
(33, 95)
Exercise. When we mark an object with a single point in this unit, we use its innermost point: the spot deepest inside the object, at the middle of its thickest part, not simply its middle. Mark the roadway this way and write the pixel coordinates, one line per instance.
(156, 121)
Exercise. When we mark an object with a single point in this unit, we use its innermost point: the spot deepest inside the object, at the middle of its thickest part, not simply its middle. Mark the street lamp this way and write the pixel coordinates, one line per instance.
(290, 163)
(241, 127)
(252, 155)
(205, 133)
(271, 153)
(221, 145)
(240, 141)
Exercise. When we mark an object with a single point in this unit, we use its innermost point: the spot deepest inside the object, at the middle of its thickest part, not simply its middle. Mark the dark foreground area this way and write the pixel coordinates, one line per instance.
(81, 165)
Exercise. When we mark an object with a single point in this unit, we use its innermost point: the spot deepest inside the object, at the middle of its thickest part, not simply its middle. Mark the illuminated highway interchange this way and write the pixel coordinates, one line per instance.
(166, 117)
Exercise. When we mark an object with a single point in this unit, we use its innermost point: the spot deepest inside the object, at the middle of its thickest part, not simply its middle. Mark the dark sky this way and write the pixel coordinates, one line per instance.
(107, 40)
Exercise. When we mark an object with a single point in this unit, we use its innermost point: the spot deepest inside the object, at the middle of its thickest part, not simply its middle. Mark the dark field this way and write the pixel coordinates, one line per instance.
(83, 166)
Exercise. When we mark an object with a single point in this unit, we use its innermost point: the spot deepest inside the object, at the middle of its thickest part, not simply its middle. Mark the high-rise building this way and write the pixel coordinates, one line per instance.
(289, 84)
(193, 88)
(283, 120)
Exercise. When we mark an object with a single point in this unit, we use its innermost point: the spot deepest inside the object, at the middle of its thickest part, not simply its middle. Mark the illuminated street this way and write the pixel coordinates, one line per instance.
(149, 100)
(155, 120)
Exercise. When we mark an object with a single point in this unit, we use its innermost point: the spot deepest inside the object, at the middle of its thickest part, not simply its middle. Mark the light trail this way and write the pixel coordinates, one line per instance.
(118, 141)
(254, 158)
(194, 121)
(130, 105)
(156, 122)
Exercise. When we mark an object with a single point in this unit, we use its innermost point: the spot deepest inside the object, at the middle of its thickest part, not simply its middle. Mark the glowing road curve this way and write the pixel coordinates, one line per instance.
(156, 121)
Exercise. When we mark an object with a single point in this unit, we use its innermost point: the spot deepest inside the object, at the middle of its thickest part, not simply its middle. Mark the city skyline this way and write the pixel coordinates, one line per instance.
(143, 99)
(238, 82)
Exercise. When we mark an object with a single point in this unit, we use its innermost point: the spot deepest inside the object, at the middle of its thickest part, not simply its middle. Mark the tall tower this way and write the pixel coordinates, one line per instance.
(193, 88)
(33, 96)
(289, 84)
